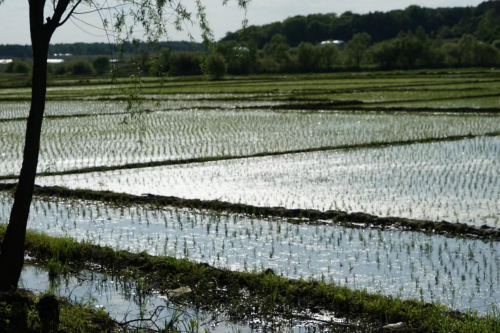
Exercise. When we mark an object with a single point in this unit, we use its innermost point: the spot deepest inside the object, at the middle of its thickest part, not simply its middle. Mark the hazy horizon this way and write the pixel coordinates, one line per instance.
(222, 19)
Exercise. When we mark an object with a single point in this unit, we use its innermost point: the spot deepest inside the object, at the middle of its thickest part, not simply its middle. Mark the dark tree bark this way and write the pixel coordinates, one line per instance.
(12, 251)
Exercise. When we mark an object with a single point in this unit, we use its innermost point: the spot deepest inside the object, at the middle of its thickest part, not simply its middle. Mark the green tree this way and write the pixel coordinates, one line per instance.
(408, 50)
(277, 55)
(17, 66)
(385, 54)
(452, 54)
(101, 64)
(447, 23)
(411, 49)
(80, 67)
(44, 20)
(317, 31)
(466, 47)
(356, 48)
(327, 56)
(216, 66)
(485, 55)
(241, 58)
(489, 27)
(184, 63)
(307, 57)
(278, 49)
(295, 30)
(59, 69)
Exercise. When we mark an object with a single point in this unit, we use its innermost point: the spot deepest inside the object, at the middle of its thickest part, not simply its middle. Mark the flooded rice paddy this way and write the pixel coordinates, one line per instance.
(460, 273)
(455, 181)
(121, 298)
(114, 140)
(18, 110)
(125, 300)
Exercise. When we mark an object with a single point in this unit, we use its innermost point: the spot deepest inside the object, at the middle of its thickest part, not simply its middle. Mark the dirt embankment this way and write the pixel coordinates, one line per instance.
(357, 220)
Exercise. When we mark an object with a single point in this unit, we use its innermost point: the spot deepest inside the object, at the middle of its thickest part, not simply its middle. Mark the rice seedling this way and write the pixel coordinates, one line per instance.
(197, 134)
(453, 181)
(456, 181)
(391, 262)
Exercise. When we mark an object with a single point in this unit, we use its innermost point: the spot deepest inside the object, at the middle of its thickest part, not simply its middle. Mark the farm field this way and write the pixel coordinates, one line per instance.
(121, 298)
(459, 273)
(455, 181)
(419, 146)
(177, 135)
(473, 103)
(18, 110)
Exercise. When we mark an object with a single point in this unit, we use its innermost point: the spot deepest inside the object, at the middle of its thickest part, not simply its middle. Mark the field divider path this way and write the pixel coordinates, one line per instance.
(87, 115)
(386, 88)
(310, 216)
(439, 99)
(148, 111)
(357, 105)
(371, 145)
(290, 107)
(315, 107)
(396, 109)
(260, 94)
(360, 106)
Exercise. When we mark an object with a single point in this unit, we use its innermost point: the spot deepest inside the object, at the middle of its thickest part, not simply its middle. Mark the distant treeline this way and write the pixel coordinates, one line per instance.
(402, 39)
(92, 49)
(482, 21)
(408, 50)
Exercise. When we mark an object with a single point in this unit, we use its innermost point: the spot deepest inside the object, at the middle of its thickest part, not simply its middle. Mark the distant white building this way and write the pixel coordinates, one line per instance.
(242, 49)
(338, 43)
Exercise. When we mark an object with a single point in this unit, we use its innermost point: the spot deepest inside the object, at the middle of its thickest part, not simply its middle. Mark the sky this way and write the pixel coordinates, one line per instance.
(14, 25)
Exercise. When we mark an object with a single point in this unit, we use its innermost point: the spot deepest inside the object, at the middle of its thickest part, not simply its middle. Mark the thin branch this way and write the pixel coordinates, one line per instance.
(90, 25)
(89, 33)
(104, 25)
(142, 320)
(70, 13)
(102, 8)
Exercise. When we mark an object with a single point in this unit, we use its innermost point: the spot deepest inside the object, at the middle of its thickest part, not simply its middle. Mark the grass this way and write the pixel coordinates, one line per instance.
(78, 318)
(392, 262)
(271, 294)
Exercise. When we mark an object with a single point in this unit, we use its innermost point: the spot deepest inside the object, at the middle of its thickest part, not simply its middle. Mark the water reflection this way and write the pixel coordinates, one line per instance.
(461, 273)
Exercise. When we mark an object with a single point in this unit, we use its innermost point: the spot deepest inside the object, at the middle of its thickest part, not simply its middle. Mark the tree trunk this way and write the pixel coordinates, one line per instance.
(12, 251)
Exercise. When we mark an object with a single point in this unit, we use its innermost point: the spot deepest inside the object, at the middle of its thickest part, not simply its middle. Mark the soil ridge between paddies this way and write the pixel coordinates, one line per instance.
(311, 216)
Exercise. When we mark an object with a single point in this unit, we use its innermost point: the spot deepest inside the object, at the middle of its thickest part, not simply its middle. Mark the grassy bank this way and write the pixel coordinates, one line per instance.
(24, 315)
(244, 295)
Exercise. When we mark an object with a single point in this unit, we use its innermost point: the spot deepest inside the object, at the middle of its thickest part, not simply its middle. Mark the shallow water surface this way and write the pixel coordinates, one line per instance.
(114, 140)
(461, 273)
(124, 301)
(456, 181)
